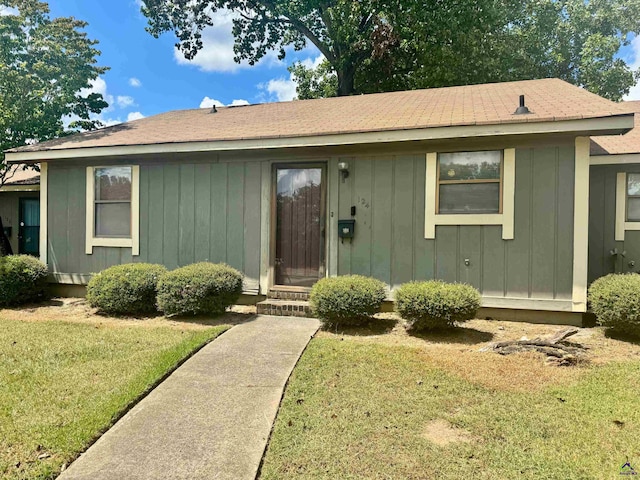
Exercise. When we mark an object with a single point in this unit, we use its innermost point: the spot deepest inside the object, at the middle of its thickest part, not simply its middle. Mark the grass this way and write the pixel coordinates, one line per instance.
(356, 409)
(62, 384)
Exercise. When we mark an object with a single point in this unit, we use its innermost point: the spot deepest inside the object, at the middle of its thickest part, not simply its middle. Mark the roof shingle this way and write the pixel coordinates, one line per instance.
(620, 144)
(488, 104)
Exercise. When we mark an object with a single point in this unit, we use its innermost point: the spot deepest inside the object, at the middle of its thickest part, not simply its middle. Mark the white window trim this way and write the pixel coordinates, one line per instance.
(91, 239)
(505, 219)
(622, 225)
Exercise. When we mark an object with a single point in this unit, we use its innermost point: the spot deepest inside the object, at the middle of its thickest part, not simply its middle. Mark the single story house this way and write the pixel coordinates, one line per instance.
(484, 184)
(614, 209)
(20, 210)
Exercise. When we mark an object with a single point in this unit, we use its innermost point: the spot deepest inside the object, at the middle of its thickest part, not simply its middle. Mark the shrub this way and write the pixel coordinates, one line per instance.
(347, 300)
(615, 300)
(128, 289)
(435, 304)
(201, 288)
(23, 279)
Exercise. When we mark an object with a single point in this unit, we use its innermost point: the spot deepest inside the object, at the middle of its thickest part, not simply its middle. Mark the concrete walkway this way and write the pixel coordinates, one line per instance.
(212, 417)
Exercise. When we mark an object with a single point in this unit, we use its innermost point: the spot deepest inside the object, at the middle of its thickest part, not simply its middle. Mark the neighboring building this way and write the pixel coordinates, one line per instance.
(443, 183)
(20, 210)
(614, 211)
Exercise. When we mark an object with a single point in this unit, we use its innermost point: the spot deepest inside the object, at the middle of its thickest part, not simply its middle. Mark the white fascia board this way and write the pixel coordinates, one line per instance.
(590, 126)
(619, 159)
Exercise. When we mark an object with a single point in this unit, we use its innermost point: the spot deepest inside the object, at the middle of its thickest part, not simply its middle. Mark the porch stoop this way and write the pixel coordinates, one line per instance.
(287, 303)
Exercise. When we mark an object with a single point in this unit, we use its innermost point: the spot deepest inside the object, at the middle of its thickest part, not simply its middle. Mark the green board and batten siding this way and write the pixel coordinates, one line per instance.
(189, 212)
(389, 195)
(198, 210)
(602, 225)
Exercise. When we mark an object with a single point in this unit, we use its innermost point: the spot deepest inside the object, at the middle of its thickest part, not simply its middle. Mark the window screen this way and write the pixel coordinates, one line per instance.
(470, 182)
(112, 202)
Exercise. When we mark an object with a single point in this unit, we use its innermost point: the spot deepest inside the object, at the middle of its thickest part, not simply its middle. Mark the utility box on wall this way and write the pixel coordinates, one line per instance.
(346, 228)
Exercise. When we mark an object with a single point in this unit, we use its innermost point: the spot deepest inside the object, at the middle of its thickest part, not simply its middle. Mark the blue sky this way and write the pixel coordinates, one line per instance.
(148, 76)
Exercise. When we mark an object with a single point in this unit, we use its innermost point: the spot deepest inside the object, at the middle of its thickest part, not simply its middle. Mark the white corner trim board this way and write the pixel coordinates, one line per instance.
(505, 219)
(622, 225)
(91, 240)
(44, 189)
(581, 225)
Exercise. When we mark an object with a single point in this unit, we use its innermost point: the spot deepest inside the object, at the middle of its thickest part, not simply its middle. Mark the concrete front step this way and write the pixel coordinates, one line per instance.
(288, 295)
(285, 308)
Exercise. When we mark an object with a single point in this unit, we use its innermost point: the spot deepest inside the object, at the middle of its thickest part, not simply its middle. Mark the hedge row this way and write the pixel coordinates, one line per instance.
(354, 299)
(142, 288)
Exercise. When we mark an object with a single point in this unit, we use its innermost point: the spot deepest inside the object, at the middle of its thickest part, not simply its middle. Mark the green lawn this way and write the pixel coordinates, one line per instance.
(360, 410)
(62, 384)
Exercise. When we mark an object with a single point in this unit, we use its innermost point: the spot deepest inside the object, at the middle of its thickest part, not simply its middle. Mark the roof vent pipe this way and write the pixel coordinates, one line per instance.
(522, 109)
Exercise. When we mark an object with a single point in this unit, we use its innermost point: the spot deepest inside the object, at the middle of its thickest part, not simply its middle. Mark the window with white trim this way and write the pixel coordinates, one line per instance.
(627, 204)
(113, 207)
(470, 182)
(633, 197)
(470, 188)
(112, 202)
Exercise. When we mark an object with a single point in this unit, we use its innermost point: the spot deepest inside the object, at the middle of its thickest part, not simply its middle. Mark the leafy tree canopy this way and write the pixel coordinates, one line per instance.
(44, 66)
(382, 45)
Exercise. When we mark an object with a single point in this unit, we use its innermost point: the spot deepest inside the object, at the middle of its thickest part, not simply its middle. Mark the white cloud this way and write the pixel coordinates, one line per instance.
(134, 82)
(124, 101)
(634, 92)
(217, 51)
(107, 117)
(99, 85)
(134, 116)
(281, 88)
(210, 102)
(284, 89)
(6, 11)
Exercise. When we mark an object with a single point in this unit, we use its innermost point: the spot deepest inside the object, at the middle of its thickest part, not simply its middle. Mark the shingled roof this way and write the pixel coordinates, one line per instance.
(628, 143)
(20, 176)
(550, 100)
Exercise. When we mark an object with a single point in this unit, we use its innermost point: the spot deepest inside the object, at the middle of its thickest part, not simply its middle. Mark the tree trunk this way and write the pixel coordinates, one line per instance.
(346, 85)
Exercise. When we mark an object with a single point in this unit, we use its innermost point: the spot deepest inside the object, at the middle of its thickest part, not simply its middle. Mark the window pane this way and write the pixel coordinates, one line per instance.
(113, 183)
(470, 165)
(113, 220)
(633, 184)
(470, 198)
(633, 209)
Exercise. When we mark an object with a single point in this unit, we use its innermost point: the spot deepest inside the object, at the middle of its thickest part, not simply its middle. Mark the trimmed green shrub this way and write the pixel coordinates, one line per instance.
(23, 279)
(435, 304)
(615, 300)
(201, 288)
(347, 300)
(128, 289)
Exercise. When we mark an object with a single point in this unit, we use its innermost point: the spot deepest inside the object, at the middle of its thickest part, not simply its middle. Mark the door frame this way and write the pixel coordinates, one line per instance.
(273, 218)
(20, 234)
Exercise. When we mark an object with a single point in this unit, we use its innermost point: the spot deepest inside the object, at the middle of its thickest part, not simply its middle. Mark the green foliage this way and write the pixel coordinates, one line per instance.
(201, 288)
(318, 82)
(128, 289)
(435, 304)
(615, 300)
(377, 45)
(347, 300)
(44, 66)
(23, 279)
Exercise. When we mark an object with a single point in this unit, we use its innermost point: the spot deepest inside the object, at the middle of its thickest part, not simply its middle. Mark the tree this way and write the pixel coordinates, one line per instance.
(44, 66)
(382, 45)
